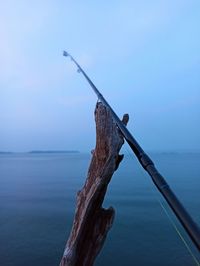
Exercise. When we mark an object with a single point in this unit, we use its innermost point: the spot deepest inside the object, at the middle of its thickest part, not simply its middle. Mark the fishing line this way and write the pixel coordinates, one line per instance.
(154, 194)
(179, 233)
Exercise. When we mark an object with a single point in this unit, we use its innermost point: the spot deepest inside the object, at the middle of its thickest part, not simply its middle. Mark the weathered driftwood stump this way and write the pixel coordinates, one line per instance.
(92, 222)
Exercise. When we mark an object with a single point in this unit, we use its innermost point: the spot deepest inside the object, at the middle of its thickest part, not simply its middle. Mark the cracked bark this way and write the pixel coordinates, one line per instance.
(91, 221)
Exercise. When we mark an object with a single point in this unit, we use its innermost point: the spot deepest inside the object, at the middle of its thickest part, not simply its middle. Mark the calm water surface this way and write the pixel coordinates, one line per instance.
(37, 201)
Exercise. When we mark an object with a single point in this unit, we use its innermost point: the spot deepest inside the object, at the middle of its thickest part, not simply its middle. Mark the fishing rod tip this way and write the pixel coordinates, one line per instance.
(65, 53)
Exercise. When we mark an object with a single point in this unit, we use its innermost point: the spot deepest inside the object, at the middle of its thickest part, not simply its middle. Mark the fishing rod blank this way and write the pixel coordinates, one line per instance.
(183, 216)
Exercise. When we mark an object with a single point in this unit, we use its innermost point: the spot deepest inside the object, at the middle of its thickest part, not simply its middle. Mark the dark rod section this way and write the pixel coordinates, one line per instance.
(183, 216)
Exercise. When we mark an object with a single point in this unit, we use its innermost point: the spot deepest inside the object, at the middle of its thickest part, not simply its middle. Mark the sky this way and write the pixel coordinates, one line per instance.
(144, 57)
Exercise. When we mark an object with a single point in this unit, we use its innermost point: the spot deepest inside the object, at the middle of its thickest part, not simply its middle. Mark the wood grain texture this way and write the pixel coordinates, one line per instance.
(92, 222)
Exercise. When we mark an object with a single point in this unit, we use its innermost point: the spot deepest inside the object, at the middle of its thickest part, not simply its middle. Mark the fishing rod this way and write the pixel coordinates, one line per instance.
(183, 216)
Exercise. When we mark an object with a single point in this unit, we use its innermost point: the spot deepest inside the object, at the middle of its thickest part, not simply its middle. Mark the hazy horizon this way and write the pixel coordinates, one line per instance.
(123, 150)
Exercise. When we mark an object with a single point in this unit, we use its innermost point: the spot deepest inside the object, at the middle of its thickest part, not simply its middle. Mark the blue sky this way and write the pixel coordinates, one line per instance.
(144, 57)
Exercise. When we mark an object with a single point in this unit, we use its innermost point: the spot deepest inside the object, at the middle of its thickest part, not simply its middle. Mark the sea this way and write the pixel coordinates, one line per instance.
(38, 199)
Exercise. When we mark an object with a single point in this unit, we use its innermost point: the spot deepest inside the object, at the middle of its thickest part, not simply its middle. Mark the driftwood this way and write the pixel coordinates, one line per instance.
(92, 222)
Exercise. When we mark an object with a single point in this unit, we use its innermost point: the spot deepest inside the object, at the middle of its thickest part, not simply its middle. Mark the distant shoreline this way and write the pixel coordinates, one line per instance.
(56, 151)
(41, 152)
(6, 152)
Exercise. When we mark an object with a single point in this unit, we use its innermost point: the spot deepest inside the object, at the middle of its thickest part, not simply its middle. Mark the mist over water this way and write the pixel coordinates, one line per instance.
(37, 202)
